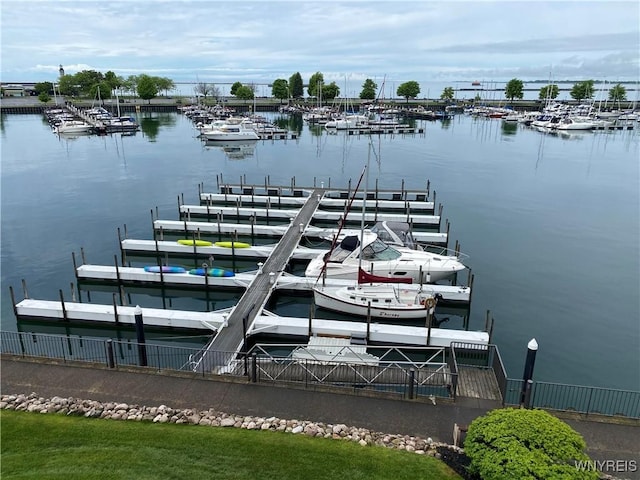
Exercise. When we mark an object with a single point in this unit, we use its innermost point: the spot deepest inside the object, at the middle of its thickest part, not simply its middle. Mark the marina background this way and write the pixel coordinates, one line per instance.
(551, 223)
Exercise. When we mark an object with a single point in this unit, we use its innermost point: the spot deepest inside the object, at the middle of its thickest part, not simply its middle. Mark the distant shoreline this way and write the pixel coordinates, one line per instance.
(31, 104)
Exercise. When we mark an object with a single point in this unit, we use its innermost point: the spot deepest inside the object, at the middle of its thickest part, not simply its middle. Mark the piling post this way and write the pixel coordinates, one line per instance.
(13, 301)
(115, 309)
(142, 348)
(64, 309)
(527, 376)
(119, 282)
(429, 316)
(205, 267)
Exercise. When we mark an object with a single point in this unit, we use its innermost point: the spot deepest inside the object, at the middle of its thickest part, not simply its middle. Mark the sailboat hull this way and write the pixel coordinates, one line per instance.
(382, 301)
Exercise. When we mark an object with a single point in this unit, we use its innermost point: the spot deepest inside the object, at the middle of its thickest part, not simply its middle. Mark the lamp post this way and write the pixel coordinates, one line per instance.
(527, 382)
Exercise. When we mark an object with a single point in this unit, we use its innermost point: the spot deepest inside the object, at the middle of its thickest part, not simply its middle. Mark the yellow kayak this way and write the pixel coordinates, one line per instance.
(232, 244)
(197, 243)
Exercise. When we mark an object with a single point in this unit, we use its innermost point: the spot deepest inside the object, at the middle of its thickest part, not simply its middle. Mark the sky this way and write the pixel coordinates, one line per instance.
(257, 42)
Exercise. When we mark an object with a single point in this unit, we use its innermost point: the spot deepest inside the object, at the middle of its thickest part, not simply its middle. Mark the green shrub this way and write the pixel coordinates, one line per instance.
(511, 443)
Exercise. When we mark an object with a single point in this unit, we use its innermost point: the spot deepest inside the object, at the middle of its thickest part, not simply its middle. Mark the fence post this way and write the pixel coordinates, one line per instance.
(254, 368)
(412, 379)
(110, 357)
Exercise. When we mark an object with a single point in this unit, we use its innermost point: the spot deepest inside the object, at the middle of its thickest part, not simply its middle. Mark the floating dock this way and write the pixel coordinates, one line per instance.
(292, 215)
(217, 322)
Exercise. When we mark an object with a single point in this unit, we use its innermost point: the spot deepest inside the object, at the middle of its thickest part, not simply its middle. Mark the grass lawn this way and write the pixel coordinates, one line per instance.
(50, 446)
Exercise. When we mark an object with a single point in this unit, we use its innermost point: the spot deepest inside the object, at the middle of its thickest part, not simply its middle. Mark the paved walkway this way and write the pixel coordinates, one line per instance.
(606, 441)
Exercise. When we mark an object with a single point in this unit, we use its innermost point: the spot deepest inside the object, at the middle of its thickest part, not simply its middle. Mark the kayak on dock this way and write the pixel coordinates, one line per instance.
(198, 243)
(232, 244)
(212, 272)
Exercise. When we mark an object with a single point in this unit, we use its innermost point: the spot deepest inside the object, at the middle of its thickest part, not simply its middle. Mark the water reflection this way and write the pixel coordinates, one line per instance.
(234, 150)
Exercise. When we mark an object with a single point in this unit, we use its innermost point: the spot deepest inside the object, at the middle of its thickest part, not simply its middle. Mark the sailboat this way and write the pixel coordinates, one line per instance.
(375, 296)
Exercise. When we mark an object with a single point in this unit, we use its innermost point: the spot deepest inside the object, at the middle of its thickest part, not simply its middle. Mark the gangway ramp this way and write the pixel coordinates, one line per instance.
(251, 304)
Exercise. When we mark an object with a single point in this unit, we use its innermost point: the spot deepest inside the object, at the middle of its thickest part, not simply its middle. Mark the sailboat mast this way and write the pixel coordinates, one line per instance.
(364, 205)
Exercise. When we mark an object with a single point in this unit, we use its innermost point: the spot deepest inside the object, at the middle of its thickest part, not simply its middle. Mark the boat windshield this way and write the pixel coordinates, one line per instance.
(378, 250)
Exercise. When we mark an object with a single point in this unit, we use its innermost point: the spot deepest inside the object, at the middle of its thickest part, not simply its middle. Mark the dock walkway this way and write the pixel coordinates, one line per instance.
(231, 338)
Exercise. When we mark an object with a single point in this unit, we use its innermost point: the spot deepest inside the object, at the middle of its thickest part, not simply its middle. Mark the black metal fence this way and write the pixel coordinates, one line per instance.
(408, 379)
(576, 398)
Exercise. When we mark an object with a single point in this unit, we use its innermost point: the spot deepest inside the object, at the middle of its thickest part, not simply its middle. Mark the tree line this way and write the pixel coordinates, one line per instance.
(90, 83)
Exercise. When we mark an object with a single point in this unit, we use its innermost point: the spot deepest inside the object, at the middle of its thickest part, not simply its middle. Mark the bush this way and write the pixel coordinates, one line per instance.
(514, 443)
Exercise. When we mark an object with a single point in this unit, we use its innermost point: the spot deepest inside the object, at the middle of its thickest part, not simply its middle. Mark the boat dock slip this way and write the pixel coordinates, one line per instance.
(282, 281)
(379, 333)
(232, 338)
(326, 202)
(257, 251)
(188, 228)
(187, 211)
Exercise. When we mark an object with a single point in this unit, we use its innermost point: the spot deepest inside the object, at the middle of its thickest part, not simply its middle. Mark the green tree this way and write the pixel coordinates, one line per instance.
(244, 92)
(46, 87)
(549, 91)
(113, 80)
(316, 84)
(447, 94)
(100, 90)
(146, 88)
(129, 84)
(618, 93)
(582, 90)
(87, 79)
(514, 89)
(511, 443)
(44, 97)
(369, 89)
(296, 86)
(280, 89)
(164, 84)
(67, 86)
(408, 90)
(330, 91)
(235, 87)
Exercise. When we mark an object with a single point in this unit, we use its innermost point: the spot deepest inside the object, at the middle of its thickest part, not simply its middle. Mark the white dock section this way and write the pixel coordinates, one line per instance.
(107, 313)
(323, 215)
(253, 252)
(378, 332)
(326, 202)
(285, 281)
(191, 227)
(267, 324)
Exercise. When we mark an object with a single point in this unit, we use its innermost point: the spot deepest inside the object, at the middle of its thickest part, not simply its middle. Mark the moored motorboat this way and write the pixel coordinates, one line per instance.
(382, 259)
(73, 126)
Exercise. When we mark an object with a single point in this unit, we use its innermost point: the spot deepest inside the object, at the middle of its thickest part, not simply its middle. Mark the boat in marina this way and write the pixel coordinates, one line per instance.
(392, 233)
(378, 299)
(73, 126)
(381, 259)
(227, 131)
(575, 123)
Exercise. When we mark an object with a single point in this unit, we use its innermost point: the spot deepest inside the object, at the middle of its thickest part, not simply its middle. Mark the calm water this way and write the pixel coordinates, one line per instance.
(551, 224)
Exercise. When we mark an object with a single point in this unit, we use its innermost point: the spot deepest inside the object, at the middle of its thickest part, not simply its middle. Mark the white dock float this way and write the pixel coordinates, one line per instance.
(255, 251)
(106, 313)
(263, 324)
(454, 294)
(325, 202)
(270, 230)
(287, 214)
(378, 332)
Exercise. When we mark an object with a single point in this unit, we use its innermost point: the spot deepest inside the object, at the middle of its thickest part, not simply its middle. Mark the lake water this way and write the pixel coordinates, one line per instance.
(551, 223)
